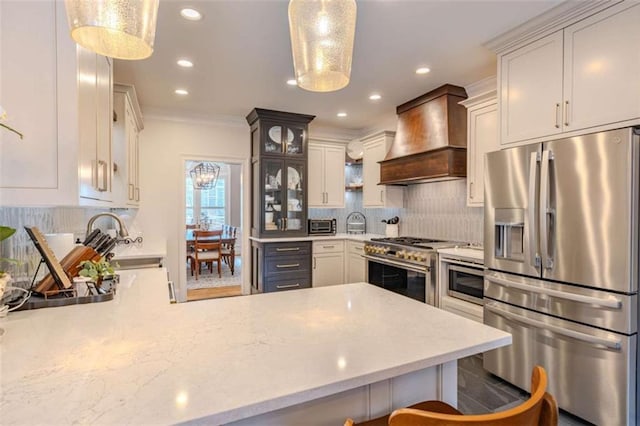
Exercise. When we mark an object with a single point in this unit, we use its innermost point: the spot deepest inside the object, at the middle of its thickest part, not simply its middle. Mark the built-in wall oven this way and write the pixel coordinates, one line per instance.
(461, 281)
(404, 265)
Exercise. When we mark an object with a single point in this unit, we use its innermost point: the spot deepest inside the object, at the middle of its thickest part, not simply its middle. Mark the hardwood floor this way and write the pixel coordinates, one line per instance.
(213, 293)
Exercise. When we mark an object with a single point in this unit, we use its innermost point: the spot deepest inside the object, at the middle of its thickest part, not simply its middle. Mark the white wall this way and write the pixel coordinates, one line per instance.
(164, 144)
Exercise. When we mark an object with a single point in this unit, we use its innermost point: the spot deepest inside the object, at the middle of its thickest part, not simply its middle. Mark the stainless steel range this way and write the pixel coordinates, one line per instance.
(405, 265)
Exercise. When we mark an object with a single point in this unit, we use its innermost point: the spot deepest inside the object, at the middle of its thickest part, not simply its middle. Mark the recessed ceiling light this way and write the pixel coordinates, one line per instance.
(181, 92)
(191, 14)
(341, 114)
(375, 97)
(292, 82)
(423, 70)
(185, 63)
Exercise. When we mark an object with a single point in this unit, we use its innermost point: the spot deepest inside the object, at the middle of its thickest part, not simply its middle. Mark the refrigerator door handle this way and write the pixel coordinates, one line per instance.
(610, 302)
(531, 210)
(545, 210)
(608, 343)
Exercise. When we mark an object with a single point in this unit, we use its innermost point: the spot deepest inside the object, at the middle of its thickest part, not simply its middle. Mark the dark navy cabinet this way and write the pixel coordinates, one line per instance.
(280, 266)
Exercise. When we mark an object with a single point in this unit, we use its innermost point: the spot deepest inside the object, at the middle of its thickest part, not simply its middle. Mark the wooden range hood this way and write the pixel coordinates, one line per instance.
(431, 139)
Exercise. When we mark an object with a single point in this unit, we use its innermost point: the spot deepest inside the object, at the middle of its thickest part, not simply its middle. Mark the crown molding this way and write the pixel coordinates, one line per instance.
(480, 87)
(550, 21)
(167, 114)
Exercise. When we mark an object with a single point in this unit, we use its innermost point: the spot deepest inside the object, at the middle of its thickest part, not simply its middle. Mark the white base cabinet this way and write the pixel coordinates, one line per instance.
(356, 263)
(126, 139)
(580, 79)
(374, 195)
(328, 263)
(59, 96)
(326, 175)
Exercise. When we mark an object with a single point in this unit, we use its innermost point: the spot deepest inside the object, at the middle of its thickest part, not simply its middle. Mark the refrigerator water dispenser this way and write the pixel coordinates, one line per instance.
(509, 234)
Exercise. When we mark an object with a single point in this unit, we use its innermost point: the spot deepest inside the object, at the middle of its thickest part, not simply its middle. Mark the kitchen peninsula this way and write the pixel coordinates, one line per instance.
(319, 354)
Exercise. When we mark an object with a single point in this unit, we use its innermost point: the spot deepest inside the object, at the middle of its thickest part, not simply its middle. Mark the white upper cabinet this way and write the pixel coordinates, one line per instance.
(531, 90)
(579, 79)
(601, 63)
(326, 175)
(482, 137)
(59, 96)
(126, 137)
(374, 195)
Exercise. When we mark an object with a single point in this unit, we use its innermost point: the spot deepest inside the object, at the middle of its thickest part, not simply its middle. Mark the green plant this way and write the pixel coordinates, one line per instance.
(95, 269)
(6, 232)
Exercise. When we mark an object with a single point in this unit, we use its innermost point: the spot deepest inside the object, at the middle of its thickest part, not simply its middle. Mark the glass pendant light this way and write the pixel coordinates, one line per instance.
(122, 29)
(205, 175)
(322, 33)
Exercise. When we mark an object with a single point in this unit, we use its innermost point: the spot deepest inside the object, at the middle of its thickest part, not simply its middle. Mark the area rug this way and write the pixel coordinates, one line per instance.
(210, 280)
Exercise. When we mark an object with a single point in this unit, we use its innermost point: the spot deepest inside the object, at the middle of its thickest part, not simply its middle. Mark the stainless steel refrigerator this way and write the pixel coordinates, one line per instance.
(561, 248)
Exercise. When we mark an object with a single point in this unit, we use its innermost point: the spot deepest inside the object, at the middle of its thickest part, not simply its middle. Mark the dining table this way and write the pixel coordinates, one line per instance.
(228, 241)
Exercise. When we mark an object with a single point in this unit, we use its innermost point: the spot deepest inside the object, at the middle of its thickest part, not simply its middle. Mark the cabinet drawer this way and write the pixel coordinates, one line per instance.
(356, 247)
(275, 284)
(328, 246)
(287, 265)
(284, 249)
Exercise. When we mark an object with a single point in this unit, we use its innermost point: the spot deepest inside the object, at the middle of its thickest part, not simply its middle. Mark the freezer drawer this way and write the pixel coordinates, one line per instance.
(597, 308)
(591, 372)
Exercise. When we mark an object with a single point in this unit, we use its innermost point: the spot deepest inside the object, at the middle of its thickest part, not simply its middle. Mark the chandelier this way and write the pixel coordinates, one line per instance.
(322, 34)
(121, 29)
(205, 175)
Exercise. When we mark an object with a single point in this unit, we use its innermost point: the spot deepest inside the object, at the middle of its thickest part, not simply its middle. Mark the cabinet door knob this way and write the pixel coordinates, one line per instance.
(557, 114)
(470, 189)
(566, 113)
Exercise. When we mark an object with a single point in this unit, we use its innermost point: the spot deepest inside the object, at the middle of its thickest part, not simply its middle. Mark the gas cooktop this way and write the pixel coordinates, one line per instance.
(414, 242)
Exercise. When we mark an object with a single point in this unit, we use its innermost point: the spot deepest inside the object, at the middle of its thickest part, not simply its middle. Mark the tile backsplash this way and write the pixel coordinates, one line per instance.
(435, 210)
(47, 220)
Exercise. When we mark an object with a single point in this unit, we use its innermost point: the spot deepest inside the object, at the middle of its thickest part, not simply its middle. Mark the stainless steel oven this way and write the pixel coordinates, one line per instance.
(404, 265)
(464, 280)
(408, 280)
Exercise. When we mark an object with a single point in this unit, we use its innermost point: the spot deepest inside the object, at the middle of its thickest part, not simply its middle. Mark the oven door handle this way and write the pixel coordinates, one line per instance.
(608, 343)
(478, 266)
(466, 270)
(609, 302)
(401, 265)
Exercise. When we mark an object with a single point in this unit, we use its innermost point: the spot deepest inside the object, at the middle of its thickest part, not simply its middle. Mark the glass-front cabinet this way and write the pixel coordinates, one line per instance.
(284, 139)
(285, 197)
(279, 159)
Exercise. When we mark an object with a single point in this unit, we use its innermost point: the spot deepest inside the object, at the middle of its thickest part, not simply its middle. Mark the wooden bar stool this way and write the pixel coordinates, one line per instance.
(539, 410)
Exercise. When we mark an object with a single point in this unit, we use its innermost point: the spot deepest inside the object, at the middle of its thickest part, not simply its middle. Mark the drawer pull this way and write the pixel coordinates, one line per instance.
(288, 285)
(288, 265)
(328, 246)
(288, 249)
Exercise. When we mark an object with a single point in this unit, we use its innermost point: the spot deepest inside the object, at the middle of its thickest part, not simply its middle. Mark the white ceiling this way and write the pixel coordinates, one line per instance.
(242, 56)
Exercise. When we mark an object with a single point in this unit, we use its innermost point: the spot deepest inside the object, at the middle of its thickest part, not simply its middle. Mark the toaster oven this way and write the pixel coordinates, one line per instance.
(322, 226)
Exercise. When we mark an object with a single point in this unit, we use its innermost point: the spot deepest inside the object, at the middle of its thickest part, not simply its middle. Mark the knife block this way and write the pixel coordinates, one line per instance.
(70, 264)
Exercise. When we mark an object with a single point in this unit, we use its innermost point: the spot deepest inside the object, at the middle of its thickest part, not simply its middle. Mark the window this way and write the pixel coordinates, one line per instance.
(207, 205)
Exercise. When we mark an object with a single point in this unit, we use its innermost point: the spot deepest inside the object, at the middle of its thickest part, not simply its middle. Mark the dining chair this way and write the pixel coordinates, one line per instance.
(228, 249)
(207, 249)
(540, 409)
(190, 259)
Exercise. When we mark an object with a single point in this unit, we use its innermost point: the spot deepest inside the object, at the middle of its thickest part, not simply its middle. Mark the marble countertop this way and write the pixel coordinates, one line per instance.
(139, 360)
(340, 236)
(464, 253)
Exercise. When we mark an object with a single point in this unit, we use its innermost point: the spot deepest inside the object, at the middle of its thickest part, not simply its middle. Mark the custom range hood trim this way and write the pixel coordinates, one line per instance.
(431, 139)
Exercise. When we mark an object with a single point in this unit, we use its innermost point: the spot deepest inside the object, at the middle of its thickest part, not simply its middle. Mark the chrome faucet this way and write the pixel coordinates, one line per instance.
(122, 232)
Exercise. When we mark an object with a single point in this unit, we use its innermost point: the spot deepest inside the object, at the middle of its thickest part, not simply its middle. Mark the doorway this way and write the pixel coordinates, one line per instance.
(213, 212)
